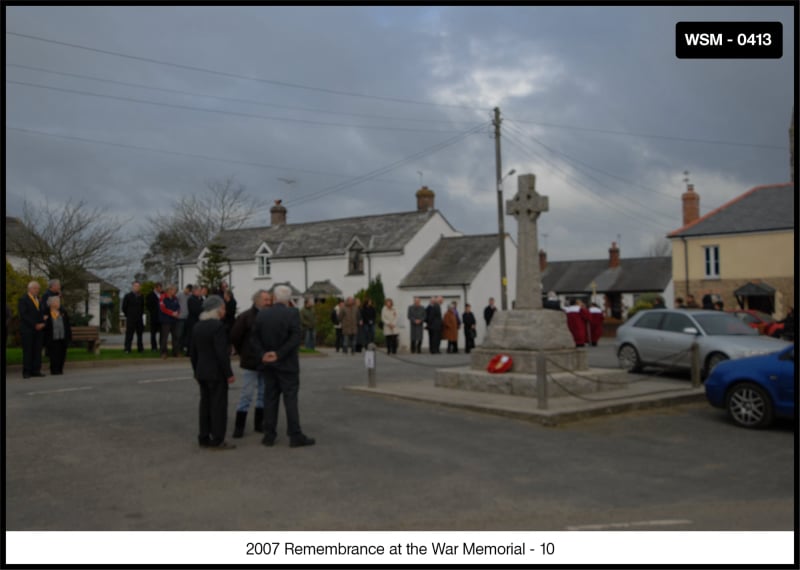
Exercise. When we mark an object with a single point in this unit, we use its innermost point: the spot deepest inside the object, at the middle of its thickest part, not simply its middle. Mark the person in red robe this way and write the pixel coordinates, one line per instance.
(577, 319)
(595, 323)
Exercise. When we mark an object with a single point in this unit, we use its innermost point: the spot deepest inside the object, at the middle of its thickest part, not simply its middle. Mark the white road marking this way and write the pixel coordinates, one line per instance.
(59, 390)
(170, 379)
(665, 522)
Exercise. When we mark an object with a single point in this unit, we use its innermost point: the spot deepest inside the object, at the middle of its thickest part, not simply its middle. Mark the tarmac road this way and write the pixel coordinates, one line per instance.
(115, 449)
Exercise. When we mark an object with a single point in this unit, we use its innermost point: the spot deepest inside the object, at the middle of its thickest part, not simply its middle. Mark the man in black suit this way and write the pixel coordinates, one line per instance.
(433, 320)
(153, 302)
(276, 340)
(32, 322)
(133, 308)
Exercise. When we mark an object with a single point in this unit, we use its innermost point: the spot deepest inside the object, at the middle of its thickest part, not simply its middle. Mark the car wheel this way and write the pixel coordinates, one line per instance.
(629, 358)
(749, 405)
(712, 360)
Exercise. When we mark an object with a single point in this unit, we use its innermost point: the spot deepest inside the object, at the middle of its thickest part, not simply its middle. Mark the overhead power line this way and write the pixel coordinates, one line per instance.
(240, 76)
(647, 135)
(222, 112)
(221, 98)
(387, 168)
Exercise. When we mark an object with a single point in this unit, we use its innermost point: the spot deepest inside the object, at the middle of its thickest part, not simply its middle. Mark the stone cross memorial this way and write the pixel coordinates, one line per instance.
(526, 207)
(528, 331)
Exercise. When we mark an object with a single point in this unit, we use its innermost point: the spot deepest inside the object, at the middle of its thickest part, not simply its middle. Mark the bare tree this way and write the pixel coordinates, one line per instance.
(192, 224)
(660, 247)
(64, 242)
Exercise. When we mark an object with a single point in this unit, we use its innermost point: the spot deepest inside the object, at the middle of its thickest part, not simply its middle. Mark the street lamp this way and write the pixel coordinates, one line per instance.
(502, 238)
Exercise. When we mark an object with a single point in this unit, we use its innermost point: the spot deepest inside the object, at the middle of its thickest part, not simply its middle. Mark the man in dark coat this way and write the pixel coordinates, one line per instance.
(31, 327)
(470, 328)
(276, 340)
(133, 309)
(153, 303)
(211, 364)
(195, 305)
(489, 312)
(433, 321)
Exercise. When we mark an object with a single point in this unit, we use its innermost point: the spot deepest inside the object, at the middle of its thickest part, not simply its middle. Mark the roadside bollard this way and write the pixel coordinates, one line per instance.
(369, 362)
(695, 355)
(541, 381)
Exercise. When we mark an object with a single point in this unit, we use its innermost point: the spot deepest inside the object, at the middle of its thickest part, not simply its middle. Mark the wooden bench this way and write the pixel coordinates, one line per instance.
(89, 335)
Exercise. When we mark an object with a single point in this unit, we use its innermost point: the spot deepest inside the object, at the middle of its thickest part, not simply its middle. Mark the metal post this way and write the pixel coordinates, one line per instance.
(370, 363)
(500, 223)
(695, 355)
(541, 381)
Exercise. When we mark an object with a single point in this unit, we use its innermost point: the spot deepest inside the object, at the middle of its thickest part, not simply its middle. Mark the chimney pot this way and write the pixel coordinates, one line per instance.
(425, 199)
(613, 255)
(542, 260)
(278, 214)
(691, 205)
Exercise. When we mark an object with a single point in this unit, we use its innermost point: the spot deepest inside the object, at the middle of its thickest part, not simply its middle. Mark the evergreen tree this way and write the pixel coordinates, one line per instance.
(211, 273)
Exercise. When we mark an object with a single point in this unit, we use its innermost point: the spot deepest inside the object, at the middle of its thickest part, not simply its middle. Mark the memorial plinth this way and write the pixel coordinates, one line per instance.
(527, 331)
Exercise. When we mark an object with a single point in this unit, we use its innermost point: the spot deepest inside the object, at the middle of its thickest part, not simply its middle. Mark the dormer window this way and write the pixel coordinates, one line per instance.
(355, 259)
(263, 263)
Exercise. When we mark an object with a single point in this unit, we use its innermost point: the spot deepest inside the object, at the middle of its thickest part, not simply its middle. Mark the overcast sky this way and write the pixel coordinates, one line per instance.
(324, 96)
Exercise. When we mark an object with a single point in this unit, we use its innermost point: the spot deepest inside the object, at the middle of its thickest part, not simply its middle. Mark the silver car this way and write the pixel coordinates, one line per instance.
(663, 337)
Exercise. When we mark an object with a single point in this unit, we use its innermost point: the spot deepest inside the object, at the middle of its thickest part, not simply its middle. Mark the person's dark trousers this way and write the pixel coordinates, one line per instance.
(180, 332)
(31, 352)
(452, 347)
(168, 329)
(470, 343)
(435, 338)
(391, 344)
(213, 411)
(130, 329)
(58, 355)
(339, 339)
(287, 384)
(155, 328)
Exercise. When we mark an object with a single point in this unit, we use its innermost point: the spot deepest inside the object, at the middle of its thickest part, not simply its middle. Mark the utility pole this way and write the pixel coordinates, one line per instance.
(500, 221)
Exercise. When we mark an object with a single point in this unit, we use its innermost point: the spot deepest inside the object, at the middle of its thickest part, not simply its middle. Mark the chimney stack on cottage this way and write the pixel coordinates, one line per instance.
(425, 197)
(542, 260)
(278, 214)
(691, 205)
(613, 256)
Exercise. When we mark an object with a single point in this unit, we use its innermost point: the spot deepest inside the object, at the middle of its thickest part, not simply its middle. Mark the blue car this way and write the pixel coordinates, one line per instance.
(755, 390)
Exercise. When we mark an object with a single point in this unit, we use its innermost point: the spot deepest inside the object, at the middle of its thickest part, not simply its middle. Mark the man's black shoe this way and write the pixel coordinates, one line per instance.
(268, 441)
(223, 446)
(302, 441)
(38, 375)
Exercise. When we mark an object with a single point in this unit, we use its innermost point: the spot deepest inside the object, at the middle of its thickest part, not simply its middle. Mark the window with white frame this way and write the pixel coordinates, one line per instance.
(712, 261)
(263, 262)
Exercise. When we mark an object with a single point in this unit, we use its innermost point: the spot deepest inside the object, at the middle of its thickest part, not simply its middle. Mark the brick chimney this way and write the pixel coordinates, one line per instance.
(613, 256)
(278, 214)
(542, 260)
(425, 197)
(691, 205)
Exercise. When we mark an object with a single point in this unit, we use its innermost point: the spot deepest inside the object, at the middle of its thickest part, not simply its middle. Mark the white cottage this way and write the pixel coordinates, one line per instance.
(347, 253)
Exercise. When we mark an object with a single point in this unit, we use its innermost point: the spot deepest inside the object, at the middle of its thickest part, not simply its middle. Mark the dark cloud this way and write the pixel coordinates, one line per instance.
(554, 71)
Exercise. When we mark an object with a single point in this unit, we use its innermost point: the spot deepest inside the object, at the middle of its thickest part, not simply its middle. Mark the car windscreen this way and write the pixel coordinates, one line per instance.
(723, 324)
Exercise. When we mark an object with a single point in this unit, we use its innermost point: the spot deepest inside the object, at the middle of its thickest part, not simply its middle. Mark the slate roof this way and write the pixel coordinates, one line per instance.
(16, 233)
(452, 261)
(633, 275)
(320, 288)
(755, 290)
(762, 208)
(377, 233)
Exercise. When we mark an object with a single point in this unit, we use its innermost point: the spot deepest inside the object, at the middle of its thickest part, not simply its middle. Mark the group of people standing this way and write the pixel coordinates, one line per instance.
(171, 315)
(440, 326)
(354, 323)
(267, 338)
(44, 323)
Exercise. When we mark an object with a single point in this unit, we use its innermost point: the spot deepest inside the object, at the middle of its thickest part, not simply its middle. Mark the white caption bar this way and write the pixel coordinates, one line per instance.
(376, 548)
